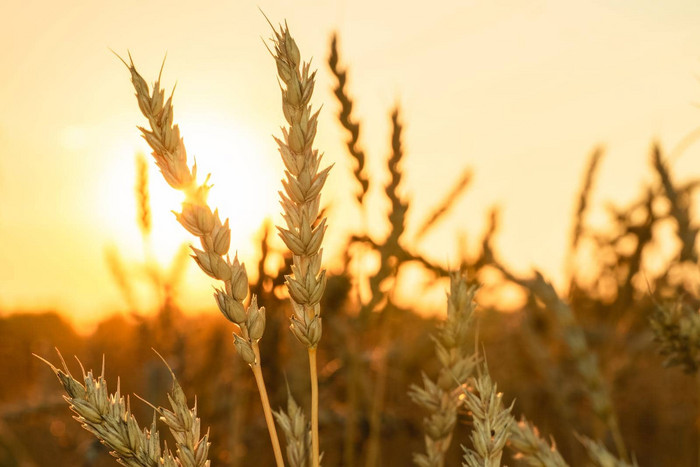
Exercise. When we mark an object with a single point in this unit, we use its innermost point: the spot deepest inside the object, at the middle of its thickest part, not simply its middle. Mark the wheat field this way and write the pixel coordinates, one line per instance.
(319, 352)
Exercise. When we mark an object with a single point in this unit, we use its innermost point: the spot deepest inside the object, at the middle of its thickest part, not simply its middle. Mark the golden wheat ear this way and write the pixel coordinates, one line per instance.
(584, 196)
(185, 425)
(346, 120)
(108, 417)
(529, 446)
(300, 200)
(297, 431)
(600, 456)
(198, 218)
(679, 208)
(492, 422)
(676, 328)
(441, 396)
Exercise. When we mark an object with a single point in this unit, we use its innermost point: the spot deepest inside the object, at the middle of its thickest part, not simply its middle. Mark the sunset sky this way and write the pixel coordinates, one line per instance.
(520, 91)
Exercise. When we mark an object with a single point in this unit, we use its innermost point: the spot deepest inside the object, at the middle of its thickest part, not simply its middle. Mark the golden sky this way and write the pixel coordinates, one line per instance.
(521, 91)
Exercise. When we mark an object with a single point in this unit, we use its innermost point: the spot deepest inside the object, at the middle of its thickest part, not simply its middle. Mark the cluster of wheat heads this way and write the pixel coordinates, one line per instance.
(676, 327)
(464, 383)
(107, 415)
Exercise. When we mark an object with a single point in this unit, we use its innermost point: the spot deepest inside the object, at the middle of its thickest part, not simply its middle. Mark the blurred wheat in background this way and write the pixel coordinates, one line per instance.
(340, 365)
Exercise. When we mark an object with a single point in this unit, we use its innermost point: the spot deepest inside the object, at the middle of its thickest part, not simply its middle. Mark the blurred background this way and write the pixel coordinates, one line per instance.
(556, 136)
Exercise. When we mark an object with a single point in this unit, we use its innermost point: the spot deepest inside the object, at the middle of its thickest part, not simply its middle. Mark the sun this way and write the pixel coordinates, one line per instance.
(243, 172)
(243, 176)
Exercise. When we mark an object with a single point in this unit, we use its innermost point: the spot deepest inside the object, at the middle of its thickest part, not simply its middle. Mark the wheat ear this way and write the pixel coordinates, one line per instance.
(300, 202)
(346, 120)
(492, 422)
(185, 426)
(676, 328)
(600, 456)
(215, 237)
(399, 206)
(442, 397)
(680, 209)
(531, 448)
(297, 431)
(584, 197)
(109, 418)
(390, 251)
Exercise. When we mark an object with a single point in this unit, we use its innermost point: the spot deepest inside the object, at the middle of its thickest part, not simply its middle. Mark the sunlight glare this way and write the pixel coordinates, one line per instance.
(244, 190)
(244, 184)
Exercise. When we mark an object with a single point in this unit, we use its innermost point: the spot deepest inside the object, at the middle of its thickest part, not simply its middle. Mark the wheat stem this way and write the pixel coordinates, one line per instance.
(269, 420)
(375, 418)
(697, 415)
(314, 407)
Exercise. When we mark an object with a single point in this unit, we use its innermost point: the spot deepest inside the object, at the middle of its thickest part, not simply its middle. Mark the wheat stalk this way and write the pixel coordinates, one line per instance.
(143, 203)
(215, 237)
(300, 205)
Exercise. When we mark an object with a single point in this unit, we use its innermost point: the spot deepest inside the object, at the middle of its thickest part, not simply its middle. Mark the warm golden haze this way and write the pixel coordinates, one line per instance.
(524, 88)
